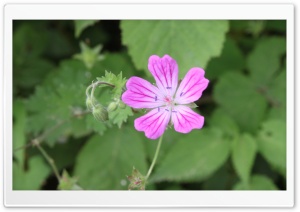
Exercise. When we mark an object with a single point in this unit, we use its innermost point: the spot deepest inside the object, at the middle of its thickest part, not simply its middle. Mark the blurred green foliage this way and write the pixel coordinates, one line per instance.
(241, 147)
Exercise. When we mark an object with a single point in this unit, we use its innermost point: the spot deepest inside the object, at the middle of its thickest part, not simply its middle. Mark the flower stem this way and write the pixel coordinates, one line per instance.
(155, 157)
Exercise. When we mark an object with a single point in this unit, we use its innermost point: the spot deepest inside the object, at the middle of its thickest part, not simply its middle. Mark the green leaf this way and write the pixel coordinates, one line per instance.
(117, 80)
(243, 156)
(223, 121)
(231, 59)
(105, 161)
(68, 183)
(239, 98)
(19, 132)
(120, 115)
(257, 182)
(277, 97)
(33, 178)
(62, 96)
(89, 55)
(272, 144)
(190, 43)
(81, 25)
(195, 157)
(264, 61)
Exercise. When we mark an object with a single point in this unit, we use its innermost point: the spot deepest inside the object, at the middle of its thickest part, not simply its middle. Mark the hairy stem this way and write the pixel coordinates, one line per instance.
(48, 158)
(155, 156)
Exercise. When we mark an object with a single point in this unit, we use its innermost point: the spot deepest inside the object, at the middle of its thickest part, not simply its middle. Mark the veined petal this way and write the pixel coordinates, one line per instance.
(141, 94)
(185, 119)
(191, 87)
(154, 122)
(165, 73)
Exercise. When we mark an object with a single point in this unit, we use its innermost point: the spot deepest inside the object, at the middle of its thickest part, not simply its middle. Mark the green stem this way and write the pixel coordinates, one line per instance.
(48, 158)
(155, 157)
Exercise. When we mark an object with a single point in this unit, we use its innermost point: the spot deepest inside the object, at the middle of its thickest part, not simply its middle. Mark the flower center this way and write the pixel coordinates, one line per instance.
(168, 100)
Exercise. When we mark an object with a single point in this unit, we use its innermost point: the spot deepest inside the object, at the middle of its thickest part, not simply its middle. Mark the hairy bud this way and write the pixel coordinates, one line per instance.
(100, 113)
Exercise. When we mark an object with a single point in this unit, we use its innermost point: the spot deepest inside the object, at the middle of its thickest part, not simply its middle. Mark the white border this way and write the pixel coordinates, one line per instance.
(147, 198)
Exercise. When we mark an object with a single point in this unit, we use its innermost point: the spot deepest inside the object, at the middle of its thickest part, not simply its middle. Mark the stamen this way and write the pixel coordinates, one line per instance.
(169, 87)
(167, 110)
(155, 98)
(174, 111)
(158, 109)
(181, 94)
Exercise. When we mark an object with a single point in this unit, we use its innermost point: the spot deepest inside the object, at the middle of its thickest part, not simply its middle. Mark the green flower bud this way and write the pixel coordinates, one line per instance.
(90, 102)
(112, 106)
(100, 113)
(122, 105)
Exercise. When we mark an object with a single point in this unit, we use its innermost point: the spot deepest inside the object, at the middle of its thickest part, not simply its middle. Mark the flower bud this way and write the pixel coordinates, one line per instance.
(100, 113)
(122, 105)
(112, 106)
(90, 102)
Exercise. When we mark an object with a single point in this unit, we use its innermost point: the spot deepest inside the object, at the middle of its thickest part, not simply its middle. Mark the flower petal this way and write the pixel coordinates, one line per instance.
(141, 94)
(153, 123)
(191, 87)
(165, 73)
(185, 119)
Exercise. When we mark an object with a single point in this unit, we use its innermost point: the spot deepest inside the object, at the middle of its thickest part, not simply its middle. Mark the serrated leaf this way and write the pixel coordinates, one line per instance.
(105, 161)
(62, 95)
(81, 25)
(257, 182)
(120, 115)
(88, 55)
(194, 157)
(239, 98)
(19, 131)
(243, 156)
(33, 178)
(264, 60)
(117, 80)
(190, 43)
(231, 59)
(272, 144)
(68, 183)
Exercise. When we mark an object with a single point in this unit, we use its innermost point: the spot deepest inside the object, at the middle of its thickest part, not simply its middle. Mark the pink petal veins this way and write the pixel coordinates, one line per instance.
(185, 119)
(154, 123)
(165, 73)
(191, 87)
(141, 94)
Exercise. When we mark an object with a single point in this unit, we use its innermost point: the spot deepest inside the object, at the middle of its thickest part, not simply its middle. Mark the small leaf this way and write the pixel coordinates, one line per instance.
(88, 55)
(81, 25)
(120, 115)
(272, 144)
(257, 182)
(195, 157)
(243, 156)
(68, 183)
(190, 43)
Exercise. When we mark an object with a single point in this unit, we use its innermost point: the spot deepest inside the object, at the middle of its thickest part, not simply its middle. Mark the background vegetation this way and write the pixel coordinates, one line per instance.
(243, 142)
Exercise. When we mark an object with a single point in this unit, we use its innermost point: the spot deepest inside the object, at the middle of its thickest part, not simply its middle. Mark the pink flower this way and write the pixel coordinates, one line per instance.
(166, 100)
